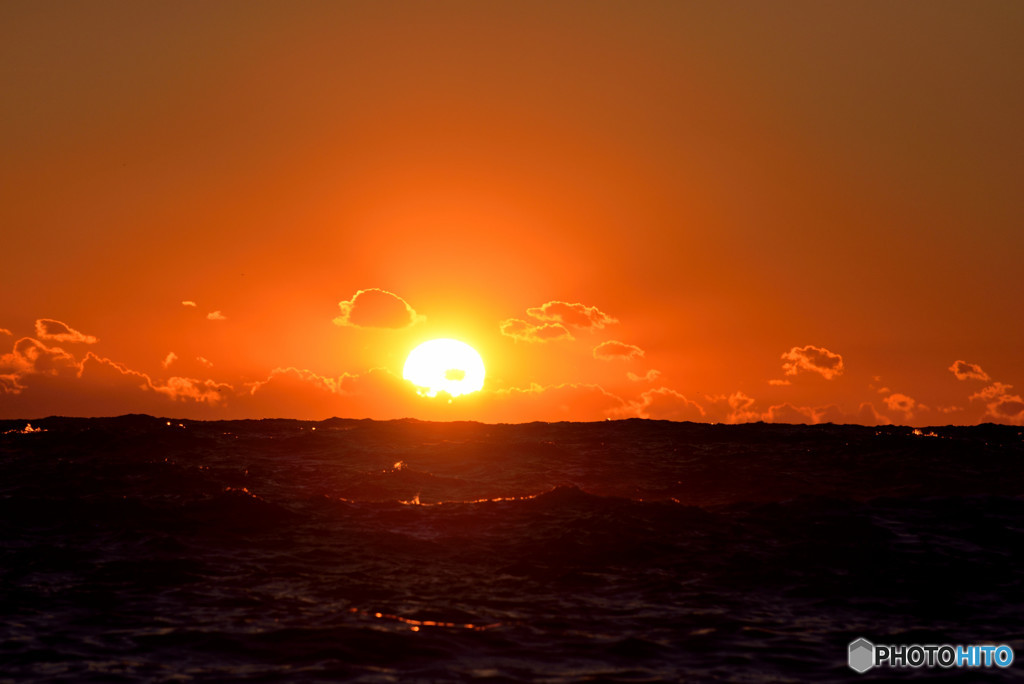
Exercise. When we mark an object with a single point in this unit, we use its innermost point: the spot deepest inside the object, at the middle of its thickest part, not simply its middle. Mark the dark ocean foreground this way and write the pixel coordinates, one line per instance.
(137, 549)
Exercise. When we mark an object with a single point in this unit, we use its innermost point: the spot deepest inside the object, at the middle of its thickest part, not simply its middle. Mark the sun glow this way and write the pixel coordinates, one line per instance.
(444, 365)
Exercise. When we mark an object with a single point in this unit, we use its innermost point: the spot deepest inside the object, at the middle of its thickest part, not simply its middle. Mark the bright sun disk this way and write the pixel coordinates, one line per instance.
(444, 365)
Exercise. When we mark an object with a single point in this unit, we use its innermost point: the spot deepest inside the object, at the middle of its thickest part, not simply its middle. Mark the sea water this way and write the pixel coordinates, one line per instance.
(139, 549)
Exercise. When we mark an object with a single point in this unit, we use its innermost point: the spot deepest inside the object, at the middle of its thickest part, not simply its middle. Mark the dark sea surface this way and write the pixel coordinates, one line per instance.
(138, 549)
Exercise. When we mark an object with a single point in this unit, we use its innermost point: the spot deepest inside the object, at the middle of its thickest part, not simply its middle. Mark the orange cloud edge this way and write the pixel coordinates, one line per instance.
(45, 375)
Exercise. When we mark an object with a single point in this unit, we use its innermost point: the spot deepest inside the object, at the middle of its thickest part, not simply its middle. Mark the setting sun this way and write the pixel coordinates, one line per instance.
(444, 365)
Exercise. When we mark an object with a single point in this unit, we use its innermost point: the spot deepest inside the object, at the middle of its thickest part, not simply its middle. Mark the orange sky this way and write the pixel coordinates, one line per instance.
(799, 211)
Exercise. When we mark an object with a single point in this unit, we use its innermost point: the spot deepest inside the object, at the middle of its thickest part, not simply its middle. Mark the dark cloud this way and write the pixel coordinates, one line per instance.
(51, 381)
(567, 401)
(56, 331)
(1000, 405)
(30, 356)
(90, 388)
(806, 415)
(175, 388)
(1007, 408)
(380, 394)
(968, 371)
(306, 377)
(867, 414)
(815, 415)
(794, 415)
(667, 404)
(376, 308)
(742, 409)
(831, 414)
(814, 359)
(733, 408)
(302, 393)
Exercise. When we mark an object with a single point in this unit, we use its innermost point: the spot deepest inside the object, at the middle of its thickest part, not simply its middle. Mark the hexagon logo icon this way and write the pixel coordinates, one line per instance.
(862, 655)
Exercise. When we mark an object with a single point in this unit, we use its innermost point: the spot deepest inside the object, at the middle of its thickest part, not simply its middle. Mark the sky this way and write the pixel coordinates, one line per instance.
(718, 211)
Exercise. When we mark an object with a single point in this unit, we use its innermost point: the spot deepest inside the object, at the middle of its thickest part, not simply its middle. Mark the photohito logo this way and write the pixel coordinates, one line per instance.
(864, 655)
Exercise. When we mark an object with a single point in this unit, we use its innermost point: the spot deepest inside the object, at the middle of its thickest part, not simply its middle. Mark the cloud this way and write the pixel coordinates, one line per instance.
(613, 349)
(906, 405)
(55, 331)
(902, 403)
(794, 415)
(816, 415)
(1007, 408)
(37, 379)
(742, 408)
(968, 371)
(568, 401)
(376, 308)
(291, 392)
(996, 389)
(1000, 405)
(216, 316)
(188, 302)
(10, 383)
(172, 358)
(5, 331)
(779, 382)
(831, 414)
(175, 388)
(667, 404)
(735, 408)
(49, 380)
(649, 376)
(29, 361)
(555, 316)
(303, 375)
(93, 365)
(297, 393)
(292, 386)
(201, 391)
(380, 394)
(576, 315)
(867, 414)
(30, 357)
(526, 332)
(806, 415)
(815, 359)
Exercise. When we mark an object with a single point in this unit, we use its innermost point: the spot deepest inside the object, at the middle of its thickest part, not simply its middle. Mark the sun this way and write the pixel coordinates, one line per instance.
(444, 365)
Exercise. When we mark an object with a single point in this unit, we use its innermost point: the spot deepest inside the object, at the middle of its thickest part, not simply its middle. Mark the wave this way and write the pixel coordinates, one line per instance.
(140, 549)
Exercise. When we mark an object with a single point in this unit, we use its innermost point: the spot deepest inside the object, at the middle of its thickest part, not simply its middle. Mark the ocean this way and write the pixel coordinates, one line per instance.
(142, 549)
